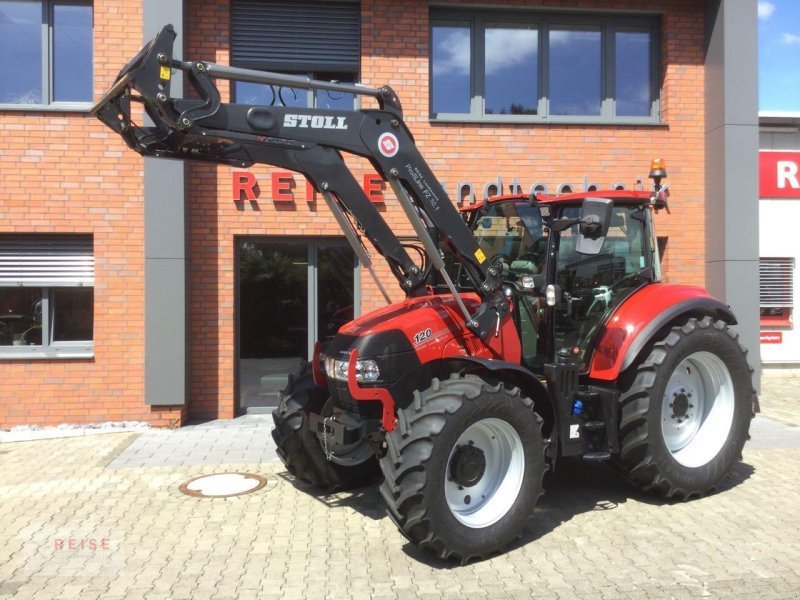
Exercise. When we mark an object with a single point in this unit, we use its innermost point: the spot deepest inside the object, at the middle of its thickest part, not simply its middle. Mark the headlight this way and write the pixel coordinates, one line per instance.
(366, 370)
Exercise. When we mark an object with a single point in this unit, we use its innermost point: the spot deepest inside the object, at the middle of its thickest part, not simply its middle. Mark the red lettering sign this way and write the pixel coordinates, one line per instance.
(282, 183)
(771, 337)
(311, 193)
(373, 187)
(244, 183)
(778, 174)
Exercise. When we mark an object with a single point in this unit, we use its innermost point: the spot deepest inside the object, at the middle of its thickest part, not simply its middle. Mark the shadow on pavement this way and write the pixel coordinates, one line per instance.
(365, 500)
(576, 487)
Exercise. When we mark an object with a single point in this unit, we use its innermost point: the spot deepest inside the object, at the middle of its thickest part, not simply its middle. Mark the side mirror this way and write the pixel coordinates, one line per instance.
(594, 222)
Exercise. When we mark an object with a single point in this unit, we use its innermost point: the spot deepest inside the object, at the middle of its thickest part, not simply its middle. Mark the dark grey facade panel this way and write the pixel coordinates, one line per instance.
(731, 140)
(166, 313)
(296, 36)
(165, 332)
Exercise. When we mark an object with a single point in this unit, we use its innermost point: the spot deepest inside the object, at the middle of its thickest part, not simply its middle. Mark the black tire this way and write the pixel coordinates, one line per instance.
(651, 414)
(300, 449)
(418, 462)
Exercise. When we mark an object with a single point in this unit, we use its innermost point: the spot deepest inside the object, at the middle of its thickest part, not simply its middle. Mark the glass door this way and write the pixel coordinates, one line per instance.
(291, 293)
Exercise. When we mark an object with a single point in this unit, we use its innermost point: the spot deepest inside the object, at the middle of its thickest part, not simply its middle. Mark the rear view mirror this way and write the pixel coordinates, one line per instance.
(594, 222)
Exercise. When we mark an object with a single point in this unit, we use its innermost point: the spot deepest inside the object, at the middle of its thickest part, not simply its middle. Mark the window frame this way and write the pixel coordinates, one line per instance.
(48, 104)
(543, 21)
(312, 69)
(50, 348)
(49, 262)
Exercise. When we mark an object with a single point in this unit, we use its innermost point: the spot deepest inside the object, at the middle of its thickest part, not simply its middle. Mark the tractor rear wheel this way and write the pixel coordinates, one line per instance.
(302, 451)
(686, 415)
(463, 469)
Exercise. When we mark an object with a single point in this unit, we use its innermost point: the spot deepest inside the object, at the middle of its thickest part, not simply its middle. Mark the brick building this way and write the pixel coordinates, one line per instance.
(136, 289)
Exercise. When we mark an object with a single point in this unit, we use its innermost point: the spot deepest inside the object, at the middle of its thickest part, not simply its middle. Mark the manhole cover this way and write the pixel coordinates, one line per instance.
(223, 485)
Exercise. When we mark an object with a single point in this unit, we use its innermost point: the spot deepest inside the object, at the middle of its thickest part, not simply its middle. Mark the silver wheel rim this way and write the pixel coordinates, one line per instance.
(492, 496)
(697, 409)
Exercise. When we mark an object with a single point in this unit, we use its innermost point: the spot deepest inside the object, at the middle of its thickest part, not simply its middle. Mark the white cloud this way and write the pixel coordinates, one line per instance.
(790, 39)
(504, 48)
(451, 54)
(765, 9)
(510, 48)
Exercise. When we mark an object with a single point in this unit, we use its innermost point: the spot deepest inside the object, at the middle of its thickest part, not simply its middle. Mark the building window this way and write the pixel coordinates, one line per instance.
(51, 42)
(320, 40)
(46, 296)
(776, 291)
(543, 67)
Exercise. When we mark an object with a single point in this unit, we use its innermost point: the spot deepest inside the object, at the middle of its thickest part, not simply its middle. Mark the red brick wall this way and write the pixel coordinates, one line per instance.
(394, 41)
(65, 172)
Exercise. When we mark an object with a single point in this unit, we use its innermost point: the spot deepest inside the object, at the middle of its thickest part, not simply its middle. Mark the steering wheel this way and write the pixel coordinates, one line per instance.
(603, 294)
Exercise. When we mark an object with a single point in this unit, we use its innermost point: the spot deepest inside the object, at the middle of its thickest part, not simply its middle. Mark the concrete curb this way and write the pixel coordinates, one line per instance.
(51, 433)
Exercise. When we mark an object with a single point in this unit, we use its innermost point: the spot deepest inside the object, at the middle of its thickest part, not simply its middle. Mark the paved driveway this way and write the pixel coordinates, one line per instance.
(80, 518)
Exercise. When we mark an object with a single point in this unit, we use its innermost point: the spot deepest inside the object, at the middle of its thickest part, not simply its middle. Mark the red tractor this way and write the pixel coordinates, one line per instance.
(533, 328)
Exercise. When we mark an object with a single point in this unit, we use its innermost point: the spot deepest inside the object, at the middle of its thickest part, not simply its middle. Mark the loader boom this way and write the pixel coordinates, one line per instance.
(311, 142)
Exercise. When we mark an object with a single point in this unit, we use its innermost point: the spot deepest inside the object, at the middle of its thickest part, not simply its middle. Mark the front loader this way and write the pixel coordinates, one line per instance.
(533, 329)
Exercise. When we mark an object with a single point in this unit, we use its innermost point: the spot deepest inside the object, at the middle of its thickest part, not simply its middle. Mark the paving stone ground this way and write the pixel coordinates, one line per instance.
(780, 398)
(595, 536)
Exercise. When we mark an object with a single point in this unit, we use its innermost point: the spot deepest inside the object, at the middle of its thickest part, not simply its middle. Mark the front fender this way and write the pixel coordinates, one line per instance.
(509, 372)
(641, 316)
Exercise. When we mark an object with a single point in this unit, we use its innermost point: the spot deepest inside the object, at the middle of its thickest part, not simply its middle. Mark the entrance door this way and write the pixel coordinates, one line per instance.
(291, 293)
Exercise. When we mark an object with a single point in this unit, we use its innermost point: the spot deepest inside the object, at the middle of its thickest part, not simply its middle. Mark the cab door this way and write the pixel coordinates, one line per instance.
(592, 286)
(511, 235)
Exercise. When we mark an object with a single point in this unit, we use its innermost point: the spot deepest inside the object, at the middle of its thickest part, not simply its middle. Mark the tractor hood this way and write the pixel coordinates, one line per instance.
(412, 325)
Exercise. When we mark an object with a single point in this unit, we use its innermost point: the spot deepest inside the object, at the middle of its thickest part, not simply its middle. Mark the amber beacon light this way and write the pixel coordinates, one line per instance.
(658, 170)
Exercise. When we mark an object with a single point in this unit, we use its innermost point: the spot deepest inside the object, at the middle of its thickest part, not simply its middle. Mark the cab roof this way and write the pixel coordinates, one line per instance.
(632, 196)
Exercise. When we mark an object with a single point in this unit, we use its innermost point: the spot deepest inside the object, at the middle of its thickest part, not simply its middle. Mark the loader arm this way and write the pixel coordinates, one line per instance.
(311, 142)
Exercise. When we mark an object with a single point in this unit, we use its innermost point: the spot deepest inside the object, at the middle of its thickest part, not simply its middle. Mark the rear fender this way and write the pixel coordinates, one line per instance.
(642, 316)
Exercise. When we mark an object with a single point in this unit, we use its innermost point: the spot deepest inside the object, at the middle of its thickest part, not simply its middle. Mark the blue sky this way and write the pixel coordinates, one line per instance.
(779, 55)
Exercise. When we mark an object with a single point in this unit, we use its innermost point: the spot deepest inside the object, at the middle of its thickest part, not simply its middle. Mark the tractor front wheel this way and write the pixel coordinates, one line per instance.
(302, 451)
(685, 417)
(463, 469)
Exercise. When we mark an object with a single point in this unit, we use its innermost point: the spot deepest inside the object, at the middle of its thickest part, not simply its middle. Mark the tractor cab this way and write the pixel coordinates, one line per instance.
(569, 261)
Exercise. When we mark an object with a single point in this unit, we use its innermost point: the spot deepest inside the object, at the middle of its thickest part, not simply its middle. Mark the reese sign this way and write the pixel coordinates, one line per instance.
(778, 174)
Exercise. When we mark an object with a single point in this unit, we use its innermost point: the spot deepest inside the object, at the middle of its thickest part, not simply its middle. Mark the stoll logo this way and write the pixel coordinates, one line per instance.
(314, 121)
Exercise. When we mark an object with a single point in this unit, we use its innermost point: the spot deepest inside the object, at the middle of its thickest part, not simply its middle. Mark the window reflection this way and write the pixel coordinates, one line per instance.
(575, 70)
(72, 319)
(335, 100)
(633, 73)
(451, 60)
(265, 95)
(72, 53)
(21, 38)
(20, 316)
(511, 68)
